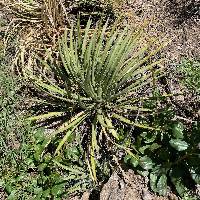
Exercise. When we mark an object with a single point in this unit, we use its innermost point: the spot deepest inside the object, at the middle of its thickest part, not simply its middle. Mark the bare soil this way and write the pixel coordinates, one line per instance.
(130, 187)
(177, 20)
(134, 188)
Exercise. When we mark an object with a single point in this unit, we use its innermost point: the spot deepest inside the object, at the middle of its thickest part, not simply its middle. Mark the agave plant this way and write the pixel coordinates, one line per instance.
(98, 79)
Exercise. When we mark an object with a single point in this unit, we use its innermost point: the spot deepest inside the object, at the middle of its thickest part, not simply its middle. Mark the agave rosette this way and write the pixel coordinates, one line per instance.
(98, 79)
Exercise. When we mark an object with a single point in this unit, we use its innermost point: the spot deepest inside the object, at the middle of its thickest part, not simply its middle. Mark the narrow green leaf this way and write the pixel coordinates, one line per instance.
(65, 138)
(118, 55)
(134, 62)
(76, 188)
(86, 37)
(101, 120)
(127, 121)
(133, 72)
(78, 118)
(73, 170)
(112, 131)
(93, 148)
(135, 108)
(54, 95)
(94, 135)
(89, 167)
(50, 87)
(145, 80)
(93, 164)
(105, 55)
(128, 45)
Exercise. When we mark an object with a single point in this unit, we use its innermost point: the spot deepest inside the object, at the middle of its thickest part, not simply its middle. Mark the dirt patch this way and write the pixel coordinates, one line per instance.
(130, 187)
(134, 188)
(3, 196)
(178, 20)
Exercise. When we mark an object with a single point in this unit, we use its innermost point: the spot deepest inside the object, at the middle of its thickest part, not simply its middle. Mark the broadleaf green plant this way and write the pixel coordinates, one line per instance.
(24, 173)
(97, 82)
(170, 156)
(45, 177)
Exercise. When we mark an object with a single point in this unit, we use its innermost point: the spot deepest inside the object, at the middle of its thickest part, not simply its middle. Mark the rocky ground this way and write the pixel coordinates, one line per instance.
(130, 187)
(133, 188)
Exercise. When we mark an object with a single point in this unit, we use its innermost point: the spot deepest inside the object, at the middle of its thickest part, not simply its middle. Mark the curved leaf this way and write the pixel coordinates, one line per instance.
(127, 121)
(179, 145)
(162, 185)
(146, 163)
(177, 130)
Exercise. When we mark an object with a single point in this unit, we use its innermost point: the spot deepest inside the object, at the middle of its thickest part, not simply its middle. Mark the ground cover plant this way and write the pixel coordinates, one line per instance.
(24, 173)
(170, 155)
(190, 73)
(44, 178)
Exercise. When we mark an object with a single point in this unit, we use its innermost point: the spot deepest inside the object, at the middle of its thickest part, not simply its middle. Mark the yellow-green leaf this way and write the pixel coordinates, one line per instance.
(111, 130)
(127, 121)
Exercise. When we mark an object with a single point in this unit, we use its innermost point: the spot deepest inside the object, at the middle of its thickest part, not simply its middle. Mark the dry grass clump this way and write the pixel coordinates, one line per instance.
(36, 25)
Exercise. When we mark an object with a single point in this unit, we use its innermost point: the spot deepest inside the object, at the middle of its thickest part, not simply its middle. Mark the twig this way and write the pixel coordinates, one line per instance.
(185, 119)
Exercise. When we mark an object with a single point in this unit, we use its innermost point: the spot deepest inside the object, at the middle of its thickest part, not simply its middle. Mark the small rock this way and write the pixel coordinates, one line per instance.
(86, 196)
(146, 195)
